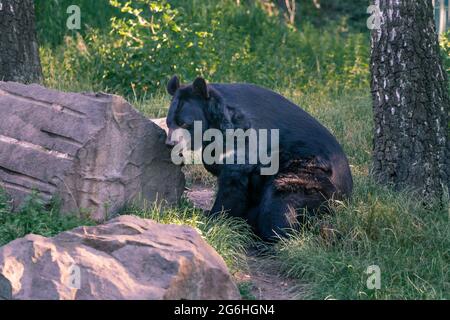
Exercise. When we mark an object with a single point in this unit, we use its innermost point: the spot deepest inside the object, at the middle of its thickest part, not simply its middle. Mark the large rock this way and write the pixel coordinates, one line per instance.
(126, 258)
(94, 151)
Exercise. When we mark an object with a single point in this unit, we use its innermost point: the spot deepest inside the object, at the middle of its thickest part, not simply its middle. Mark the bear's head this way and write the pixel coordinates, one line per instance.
(196, 102)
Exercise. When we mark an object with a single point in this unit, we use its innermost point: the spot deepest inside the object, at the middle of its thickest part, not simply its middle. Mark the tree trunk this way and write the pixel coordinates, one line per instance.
(410, 99)
(19, 54)
(442, 17)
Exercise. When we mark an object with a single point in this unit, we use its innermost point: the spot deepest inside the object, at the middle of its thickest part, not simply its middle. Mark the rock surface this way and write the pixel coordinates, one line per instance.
(94, 151)
(126, 258)
(5, 288)
(161, 122)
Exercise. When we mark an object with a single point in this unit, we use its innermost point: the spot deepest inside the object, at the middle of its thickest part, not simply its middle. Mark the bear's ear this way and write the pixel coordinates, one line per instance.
(173, 85)
(201, 88)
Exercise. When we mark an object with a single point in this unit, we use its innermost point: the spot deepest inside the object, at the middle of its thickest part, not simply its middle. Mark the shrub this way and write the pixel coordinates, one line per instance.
(149, 41)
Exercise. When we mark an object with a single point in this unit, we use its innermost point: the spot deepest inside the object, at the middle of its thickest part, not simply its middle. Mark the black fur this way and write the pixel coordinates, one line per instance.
(313, 166)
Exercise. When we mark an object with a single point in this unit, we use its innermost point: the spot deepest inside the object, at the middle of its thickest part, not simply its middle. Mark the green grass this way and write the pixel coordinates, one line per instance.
(245, 289)
(410, 244)
(35, 217)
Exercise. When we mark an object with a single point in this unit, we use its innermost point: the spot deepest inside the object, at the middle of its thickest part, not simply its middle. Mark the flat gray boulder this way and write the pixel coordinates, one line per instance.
(126, 258)
(93, 151)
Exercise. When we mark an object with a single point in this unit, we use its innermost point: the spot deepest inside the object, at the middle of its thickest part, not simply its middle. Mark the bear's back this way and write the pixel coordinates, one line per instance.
(269, 110)
(300, 133)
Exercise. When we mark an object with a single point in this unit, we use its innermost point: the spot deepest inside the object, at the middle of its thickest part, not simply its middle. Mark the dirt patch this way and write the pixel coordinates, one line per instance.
(263, 276)
(267, 282)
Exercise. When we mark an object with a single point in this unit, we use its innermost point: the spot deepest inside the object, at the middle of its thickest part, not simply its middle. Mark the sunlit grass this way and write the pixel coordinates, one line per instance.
(392, 230)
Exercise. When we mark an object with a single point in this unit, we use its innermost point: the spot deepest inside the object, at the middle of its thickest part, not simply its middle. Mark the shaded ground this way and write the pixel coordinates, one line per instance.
(262, 280)
(266, 282)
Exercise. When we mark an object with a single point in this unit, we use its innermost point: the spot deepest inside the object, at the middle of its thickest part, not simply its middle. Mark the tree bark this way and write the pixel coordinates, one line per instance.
(410, 99)
(19, 53)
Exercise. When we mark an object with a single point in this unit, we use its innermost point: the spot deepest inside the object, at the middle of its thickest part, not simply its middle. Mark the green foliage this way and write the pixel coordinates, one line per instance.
(148, 44)
(445, 51)
(354, 12)
(445, 46)
(245, 289)
(51, 18)
(70, 66)
(35, 217)
(149, 41)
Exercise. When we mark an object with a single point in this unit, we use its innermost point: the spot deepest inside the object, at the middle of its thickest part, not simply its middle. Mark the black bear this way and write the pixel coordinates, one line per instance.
(312, 165)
